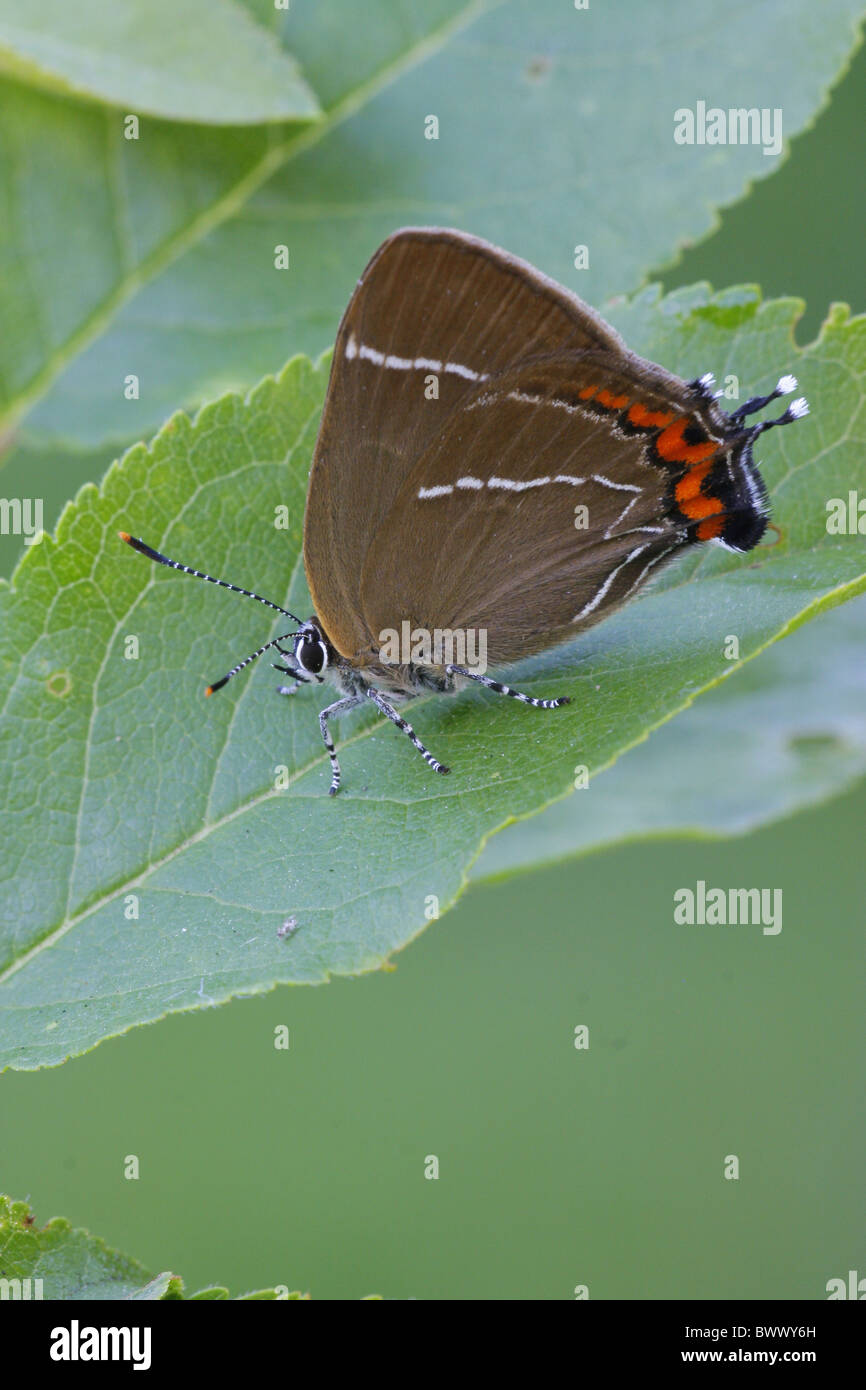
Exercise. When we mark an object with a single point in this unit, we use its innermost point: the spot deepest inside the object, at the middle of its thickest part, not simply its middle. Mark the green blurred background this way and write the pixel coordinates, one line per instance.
(557, 1167)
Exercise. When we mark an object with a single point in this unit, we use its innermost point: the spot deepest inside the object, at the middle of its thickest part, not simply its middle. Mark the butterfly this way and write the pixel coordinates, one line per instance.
(494, 472)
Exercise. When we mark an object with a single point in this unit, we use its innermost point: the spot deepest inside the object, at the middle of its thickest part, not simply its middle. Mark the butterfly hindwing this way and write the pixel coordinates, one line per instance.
(535, 511)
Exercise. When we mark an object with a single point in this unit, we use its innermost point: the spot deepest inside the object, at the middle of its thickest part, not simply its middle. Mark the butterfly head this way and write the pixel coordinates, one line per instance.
(739, 485)
(735, 484)
(311, 649)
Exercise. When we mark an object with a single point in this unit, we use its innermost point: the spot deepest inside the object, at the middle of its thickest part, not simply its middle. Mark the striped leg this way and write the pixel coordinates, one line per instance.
(391, 713)
(507, 690)
(339, 707)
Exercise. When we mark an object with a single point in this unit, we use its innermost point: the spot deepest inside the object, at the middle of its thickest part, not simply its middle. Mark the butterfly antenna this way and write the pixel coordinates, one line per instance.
(199, 574)
(784, 387)
(275, 641)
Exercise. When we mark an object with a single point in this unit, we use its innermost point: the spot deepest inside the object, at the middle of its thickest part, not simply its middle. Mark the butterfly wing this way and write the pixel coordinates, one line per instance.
(432, 305)
(544, 503)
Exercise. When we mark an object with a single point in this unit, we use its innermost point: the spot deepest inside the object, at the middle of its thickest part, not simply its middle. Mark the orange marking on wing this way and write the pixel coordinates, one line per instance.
(587, 393)
(689, 484)
(690, 500)
(649, 419)
(673, 448)
(709, 529)
(701, 506)
(611, 402)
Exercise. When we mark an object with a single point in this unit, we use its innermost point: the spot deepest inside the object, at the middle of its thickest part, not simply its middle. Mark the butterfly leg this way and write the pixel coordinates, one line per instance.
(507, 690)
(291, 671)
(390, 713)
(339, 707)
(296, 685)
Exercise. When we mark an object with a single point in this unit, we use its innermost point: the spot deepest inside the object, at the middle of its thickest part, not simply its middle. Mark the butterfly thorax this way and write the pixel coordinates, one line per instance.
(400, 681)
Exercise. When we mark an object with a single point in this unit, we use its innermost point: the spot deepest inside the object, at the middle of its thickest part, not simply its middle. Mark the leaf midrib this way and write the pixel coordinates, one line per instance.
(279, 154)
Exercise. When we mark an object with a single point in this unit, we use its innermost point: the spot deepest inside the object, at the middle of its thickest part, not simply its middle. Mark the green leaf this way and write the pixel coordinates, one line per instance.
(87, 217)
(553, 132)
(58, 1262)
(29, 472)
(70, 1263)
(128, 795)
(204, 61)
(786, 732)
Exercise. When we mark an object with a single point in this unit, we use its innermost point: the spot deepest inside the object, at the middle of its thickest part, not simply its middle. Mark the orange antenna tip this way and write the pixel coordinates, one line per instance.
(125, 536)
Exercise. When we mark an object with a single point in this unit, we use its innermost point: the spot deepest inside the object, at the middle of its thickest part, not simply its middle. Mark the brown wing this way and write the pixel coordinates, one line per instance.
(431, 302)
(484, 532)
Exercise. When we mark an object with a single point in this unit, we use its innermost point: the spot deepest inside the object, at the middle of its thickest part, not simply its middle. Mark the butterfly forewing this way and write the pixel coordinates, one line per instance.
(435, 315)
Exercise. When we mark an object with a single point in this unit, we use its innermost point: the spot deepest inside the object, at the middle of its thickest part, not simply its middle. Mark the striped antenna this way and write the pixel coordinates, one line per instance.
(275, 641)
(199, 574)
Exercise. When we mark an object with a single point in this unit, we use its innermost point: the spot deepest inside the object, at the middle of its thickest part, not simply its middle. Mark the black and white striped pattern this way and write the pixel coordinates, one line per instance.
(352, 702)
(339, 707)
(152, 554)
(275, 642)
(507, 689)
(391, 713)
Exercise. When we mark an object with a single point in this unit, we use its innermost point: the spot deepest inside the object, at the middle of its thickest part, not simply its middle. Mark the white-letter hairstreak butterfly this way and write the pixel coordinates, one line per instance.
(492, 459)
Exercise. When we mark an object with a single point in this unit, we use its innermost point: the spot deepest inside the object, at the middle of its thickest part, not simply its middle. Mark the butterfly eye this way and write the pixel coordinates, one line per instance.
(310, 654)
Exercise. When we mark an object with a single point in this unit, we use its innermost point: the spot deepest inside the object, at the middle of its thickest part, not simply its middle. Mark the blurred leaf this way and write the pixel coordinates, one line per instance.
(52, 477)
(127, 795)
(202, 61)
(553, 132)
(73, 1264)
(785, 732)
(70, 1263)
(87, 217)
